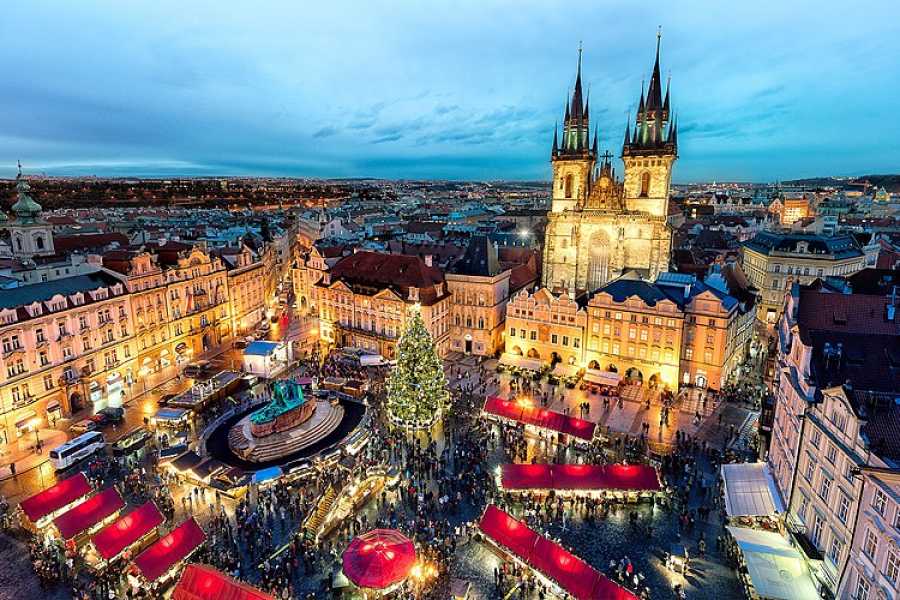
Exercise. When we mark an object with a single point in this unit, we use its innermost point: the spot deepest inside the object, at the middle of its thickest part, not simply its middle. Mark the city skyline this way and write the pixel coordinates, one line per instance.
(470, 92)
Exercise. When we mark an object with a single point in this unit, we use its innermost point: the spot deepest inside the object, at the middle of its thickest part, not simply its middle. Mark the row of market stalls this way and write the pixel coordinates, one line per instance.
(95, 524)
(617, 482)
(559, 372)
(553, 562)
(771, 566)
(521, 412)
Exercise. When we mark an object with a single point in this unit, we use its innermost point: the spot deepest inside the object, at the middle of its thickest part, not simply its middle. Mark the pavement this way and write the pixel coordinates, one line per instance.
(22, 453)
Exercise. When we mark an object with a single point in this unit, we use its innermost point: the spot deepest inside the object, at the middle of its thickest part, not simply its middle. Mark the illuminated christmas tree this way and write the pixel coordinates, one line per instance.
(417, 386)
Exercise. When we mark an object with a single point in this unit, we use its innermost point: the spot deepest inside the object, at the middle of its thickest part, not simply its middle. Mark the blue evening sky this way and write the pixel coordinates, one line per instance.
(763, 90)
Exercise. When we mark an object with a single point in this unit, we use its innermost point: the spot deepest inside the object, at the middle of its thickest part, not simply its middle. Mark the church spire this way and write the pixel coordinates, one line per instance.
(654, 92)
(555, 138)
(577, 105)
(596, 135)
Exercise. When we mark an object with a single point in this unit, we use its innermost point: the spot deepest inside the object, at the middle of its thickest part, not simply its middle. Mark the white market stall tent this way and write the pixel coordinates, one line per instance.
(750, 491)
(521, 362)
(776, 569)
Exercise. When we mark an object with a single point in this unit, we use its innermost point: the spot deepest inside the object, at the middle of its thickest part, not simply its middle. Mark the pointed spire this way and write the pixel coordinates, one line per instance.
(666, 101)
(555, 138)
(587, 104)
(673, 133)
(654, 92)
(640, 111)
(627, 130)
(577, 103)
(657, 128)
(596, 135)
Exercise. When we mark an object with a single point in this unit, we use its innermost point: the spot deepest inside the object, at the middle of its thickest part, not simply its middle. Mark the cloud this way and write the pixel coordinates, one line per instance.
(326, 131)
(391, 137)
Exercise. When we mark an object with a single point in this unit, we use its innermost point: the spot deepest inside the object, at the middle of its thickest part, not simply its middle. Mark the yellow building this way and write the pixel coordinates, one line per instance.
(67, 345)
(672, 332)
(792, 209)
(247, 288)
(773, 262)
(481, 287)
(599, 227)
(364, 300)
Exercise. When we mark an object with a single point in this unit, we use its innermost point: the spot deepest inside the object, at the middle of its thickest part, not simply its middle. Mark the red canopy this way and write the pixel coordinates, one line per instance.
(379, 559)
(575, 576)
(164, 553)
(633, 478)
(89, 513)
(512, 534)
(54, 498)
(539, 417)
(200, 582)
(117, 536)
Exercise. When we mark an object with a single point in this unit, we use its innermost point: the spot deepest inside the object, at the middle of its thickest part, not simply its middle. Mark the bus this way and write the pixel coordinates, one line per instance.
(76, 449)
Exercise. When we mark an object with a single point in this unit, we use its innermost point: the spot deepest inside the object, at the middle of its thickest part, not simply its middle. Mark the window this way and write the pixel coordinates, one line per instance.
(831, 454)
(816, 438)
(512, 330)
(554, 339)
(870, 544)
(810, 469)
(824, 488)
(576, 342)
(892, 567)
(818, 527)
(688, 353)
(645, 184)
(618, 316)
(632, 333)
(565, 340)
(862, 588)
(644, 335)
(39, 335)
(843, 509)
(15, 368)
(533, 335)
(834, 551)
(48, 382)
(42, 356)
(775, 284)
(879, 502)
(778, 268)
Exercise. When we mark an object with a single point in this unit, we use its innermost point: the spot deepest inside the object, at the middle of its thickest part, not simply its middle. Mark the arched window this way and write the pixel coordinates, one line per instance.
(19, 244)
(480, 322)
(570, 185)
(39, 242)
(645, 184)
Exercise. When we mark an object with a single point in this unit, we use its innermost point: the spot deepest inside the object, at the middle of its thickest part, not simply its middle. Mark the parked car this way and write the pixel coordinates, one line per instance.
(100, 419)
(115, 414)
(84, 426)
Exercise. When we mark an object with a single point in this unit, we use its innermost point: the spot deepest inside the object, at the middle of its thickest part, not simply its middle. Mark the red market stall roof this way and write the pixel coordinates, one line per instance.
(379, 558)
(626, 478)
(119, 535)
(164, 553)
(200, 582)
(575, 576)
(90, 512)
(539, 417)
(54, 498)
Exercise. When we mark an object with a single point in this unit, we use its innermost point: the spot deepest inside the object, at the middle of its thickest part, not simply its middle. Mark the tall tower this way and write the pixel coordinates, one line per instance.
(573, 160)
(650, 150)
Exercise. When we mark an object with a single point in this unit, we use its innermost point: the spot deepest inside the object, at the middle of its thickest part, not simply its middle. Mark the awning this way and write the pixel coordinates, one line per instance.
(575, 576)
(602, 377)
(54, 498)
(52, 405)
(371, 360)
(207, 469)
(25, 418)
(90, 512)
(776, 569)
(561, 370)
(521, 362)
(261, 348)
(170, 414)
(186, 461)
(539, 417)
(379, 559)
(200, 582)
(266, 474)
(167, 551)
(113, 539)
(750, 491)
(630, 478)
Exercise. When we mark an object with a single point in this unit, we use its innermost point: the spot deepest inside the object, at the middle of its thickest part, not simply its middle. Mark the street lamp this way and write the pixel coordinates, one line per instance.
(35, 423)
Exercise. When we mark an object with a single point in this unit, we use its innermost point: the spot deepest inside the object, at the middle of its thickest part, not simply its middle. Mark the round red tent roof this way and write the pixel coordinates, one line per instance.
(379, 559)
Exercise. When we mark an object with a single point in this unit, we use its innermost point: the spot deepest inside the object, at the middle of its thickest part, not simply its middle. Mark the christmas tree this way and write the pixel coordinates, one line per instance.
(417, 386)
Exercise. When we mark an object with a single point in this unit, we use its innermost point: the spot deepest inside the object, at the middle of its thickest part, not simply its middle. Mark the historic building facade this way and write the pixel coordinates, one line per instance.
(599, 227)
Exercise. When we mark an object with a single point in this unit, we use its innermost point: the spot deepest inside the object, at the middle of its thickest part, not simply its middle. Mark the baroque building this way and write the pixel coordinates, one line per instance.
(598, 226)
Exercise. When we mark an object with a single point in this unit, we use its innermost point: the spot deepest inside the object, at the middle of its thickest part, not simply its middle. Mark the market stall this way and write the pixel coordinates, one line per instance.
(771, 568)
(629, 482)
(39, 510)
(267, 359)
(201, 582)
(516, 364)
(565, 374)
(541, 418)
(89, 516)
(549, 559)
(167, 554)
(751, 498)
(130, 533)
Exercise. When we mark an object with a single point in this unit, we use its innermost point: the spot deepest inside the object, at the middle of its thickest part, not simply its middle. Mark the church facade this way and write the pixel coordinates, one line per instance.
(599, 226)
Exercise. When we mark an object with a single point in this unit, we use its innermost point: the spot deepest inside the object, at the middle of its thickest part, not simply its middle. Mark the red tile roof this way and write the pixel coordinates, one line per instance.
(89, 241)
(395, 271)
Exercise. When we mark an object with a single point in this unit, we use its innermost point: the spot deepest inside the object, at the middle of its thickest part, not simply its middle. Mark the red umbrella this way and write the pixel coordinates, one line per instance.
(379, 558)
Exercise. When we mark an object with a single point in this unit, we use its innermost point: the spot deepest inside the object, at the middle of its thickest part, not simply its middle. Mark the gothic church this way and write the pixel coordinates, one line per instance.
(599, 227)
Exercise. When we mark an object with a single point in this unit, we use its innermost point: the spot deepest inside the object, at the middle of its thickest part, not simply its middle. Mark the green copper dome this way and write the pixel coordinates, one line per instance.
(25, 208)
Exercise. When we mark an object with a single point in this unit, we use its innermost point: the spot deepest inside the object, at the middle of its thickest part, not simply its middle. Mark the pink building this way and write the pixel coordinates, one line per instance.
(836, 422)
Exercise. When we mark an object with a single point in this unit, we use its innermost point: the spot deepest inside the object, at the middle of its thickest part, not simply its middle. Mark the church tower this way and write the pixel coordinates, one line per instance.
(650, 150)
(29, 234)
(573, 160)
